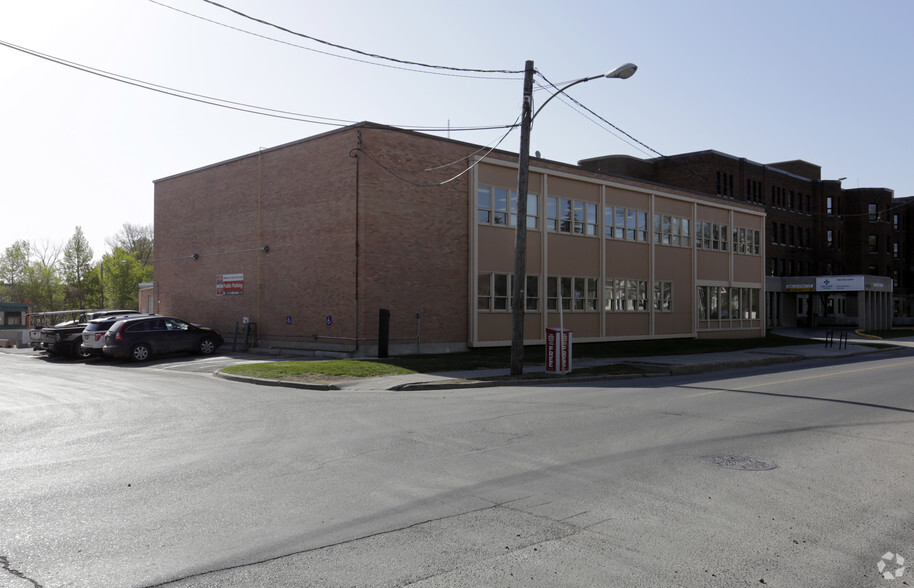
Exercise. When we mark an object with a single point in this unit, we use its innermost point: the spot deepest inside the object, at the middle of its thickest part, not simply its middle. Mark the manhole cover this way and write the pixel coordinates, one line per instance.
(738, 462)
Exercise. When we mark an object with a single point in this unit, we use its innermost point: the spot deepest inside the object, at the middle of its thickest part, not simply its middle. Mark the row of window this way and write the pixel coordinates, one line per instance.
(498, 206)
(724, 303)
(672, 230)
(790, 235)
(790, 267)
(573, 293)
(783, 198)
(875, 216)
(713, 237)
(872, 242)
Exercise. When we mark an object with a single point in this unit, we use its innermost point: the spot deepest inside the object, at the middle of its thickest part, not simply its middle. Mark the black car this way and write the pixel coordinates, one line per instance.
(140, 338)
(93, 336)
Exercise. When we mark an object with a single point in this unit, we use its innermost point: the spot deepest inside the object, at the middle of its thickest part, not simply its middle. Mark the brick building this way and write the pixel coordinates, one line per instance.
(312, 239)
(814, 227)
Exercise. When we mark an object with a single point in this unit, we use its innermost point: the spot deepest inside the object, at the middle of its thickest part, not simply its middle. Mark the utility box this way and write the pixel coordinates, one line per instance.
(558, 351)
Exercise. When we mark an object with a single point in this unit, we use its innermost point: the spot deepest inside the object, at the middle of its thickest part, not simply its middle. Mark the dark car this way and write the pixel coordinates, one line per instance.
(66, 338)
(93, 336)
(140, 338)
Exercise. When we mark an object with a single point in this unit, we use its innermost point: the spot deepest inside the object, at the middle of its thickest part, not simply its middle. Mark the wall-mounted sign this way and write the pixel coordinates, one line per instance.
(229, 284)
(800, 287)
(840, 284)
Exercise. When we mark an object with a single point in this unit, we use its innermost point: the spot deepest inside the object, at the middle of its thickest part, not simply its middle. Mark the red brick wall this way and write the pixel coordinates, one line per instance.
(300, 200)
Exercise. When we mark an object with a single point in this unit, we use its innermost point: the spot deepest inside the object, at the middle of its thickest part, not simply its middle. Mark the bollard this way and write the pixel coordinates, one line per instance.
(383, 332)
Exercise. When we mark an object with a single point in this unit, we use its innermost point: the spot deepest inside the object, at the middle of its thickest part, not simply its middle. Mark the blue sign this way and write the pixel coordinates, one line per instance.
(289, 320)
(329, 320)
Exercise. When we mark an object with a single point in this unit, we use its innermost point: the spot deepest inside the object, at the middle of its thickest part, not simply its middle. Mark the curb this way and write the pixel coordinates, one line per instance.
(653, 370)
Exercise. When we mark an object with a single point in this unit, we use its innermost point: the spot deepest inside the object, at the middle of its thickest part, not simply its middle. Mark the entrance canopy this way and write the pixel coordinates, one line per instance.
(864, 301)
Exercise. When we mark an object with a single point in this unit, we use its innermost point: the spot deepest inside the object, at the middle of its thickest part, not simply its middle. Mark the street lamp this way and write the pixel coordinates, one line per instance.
(523, 177)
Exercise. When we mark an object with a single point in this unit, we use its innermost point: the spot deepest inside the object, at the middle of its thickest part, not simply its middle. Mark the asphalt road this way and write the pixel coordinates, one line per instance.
(162, 475)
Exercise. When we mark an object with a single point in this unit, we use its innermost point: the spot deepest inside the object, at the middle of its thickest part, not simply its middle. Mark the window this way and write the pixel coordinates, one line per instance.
(872, 243)
(829, 205)
(829, 238)
(576, 293)
(663, 296)
(570, 216)
(625, 295)
(492, 207)
(774, 232)
(896, 222)
(724, 184)
(625, 223)
(672, 230)
(896, 250)
(730, 304)
(484, 205)
(494, 292)
(532, 210)
(873, 212)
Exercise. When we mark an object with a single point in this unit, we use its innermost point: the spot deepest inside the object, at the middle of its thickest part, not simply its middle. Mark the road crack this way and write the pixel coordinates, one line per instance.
(5, 566)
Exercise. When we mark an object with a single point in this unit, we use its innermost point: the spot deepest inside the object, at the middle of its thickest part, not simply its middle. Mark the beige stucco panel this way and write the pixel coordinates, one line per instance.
(573, 255)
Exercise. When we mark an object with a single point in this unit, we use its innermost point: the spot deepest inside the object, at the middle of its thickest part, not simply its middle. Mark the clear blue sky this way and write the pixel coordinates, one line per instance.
(829, 82)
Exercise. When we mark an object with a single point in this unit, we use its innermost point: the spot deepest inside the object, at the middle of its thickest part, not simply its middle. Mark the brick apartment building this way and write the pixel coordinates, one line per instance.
(814, 227)
(313, 239)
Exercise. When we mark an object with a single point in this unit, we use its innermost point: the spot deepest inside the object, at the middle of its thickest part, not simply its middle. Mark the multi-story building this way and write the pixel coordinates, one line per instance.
(314, 241)
(814, 227)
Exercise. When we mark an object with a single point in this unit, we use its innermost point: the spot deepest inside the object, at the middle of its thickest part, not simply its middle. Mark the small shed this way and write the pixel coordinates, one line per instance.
(13, 323)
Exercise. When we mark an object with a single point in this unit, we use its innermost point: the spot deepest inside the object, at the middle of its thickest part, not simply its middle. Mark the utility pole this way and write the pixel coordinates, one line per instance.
(520, 232)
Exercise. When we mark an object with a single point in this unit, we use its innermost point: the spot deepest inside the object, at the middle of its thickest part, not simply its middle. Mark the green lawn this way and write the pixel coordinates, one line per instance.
(351, 368)
(499, 357)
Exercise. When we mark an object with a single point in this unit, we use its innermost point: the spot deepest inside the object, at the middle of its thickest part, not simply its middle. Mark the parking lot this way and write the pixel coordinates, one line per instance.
(204, 364)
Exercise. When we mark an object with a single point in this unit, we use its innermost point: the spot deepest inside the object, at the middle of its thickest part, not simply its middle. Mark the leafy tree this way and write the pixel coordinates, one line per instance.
(123, 273)
(76, 266)
(41, 284)
(13, 264)
(137, 240)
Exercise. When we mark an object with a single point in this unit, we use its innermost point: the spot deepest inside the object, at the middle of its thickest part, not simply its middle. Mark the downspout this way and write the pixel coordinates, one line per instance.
(357, 160)
(259, 233)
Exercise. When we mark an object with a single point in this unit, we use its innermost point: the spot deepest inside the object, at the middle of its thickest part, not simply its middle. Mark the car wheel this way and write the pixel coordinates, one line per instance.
(140, 352)
(79, 352)
(207, 345)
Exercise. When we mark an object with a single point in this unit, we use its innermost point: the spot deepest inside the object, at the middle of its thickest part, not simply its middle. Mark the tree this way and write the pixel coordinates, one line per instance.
(123, 273)
(13, 264)
(136, 240)
(76, 265)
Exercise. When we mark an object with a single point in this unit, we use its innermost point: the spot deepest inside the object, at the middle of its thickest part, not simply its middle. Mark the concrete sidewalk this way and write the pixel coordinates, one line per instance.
(652, 366)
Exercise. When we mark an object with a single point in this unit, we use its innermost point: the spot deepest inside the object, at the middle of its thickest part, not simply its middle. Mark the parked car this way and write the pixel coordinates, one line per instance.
(66, 338)
(140, 338)
(93, 336)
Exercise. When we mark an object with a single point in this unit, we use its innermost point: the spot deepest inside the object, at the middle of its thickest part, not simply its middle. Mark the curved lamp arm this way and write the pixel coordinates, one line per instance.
(623, 72)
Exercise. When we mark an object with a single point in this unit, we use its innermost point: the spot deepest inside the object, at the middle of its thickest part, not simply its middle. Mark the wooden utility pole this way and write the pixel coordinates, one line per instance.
(520, 233)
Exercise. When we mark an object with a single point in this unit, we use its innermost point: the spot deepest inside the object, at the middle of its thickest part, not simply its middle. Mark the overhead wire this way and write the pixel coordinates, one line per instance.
(397, 173)
(615, 127)
(223, 103)
(313, 50)
(359, 52)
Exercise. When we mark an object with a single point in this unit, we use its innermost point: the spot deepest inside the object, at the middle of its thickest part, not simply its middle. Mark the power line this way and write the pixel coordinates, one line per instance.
(397, 173)
(363, 53)
(222, 103)
(646, 146)
(313, 50)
